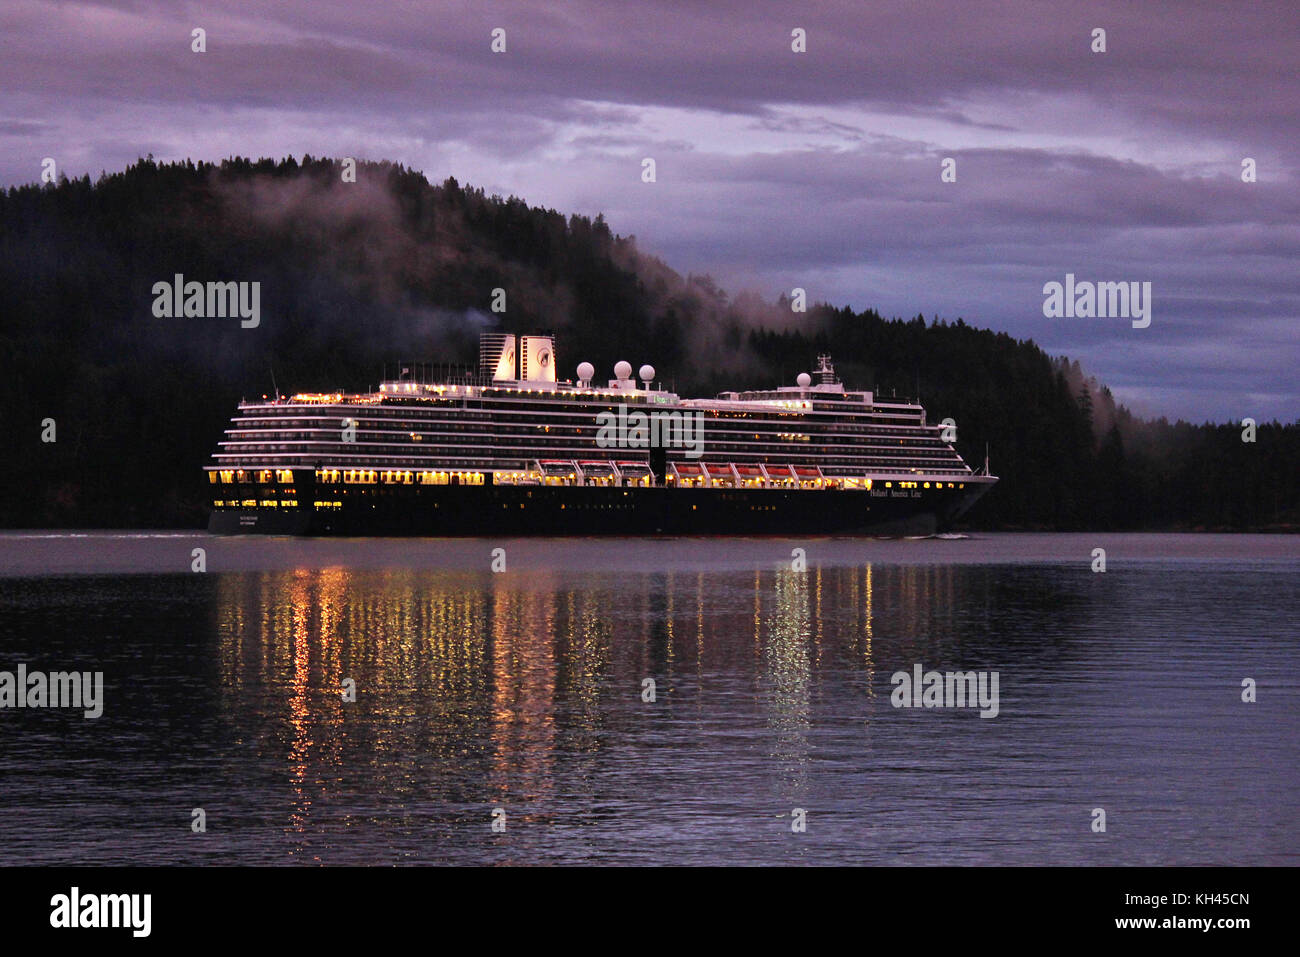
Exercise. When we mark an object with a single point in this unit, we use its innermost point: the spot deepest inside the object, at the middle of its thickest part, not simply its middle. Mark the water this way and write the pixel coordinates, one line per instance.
(523, 691)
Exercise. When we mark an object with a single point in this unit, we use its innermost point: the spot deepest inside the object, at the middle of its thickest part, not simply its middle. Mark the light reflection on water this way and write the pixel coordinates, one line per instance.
(523, 691)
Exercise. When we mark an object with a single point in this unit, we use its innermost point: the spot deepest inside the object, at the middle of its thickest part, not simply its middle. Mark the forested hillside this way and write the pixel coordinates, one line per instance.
(391, 269)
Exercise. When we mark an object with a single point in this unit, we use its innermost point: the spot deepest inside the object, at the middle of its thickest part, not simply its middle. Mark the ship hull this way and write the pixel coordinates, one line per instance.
(568, 510)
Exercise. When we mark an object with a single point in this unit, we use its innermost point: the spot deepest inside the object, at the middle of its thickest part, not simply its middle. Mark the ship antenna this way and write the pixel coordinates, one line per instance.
(273, 385)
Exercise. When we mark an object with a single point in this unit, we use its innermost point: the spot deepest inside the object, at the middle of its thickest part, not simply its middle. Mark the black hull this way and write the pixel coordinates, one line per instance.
(564, 510)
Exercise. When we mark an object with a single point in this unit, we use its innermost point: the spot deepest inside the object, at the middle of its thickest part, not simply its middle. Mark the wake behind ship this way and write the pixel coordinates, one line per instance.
(514, 451)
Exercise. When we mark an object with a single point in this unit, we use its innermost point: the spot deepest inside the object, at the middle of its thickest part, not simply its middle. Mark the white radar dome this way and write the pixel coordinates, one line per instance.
(622, 370)
(585, 371)
(646, 373)
(804, 380)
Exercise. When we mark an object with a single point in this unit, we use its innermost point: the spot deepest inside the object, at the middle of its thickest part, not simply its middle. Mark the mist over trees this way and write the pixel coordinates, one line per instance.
(390, 269)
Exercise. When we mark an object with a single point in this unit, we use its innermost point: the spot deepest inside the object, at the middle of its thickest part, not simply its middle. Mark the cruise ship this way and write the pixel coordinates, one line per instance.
(513, 450)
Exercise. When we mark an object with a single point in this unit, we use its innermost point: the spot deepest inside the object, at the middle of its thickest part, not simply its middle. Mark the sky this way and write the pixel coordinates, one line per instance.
(774, 169)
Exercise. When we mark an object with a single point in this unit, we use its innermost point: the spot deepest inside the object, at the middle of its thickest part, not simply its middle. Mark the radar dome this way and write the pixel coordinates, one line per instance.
(804, 380)
(622, 370)
(585, 371)
(646, 373)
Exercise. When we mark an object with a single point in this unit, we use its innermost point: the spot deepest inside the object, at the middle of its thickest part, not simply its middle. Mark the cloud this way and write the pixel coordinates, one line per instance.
(775, 169)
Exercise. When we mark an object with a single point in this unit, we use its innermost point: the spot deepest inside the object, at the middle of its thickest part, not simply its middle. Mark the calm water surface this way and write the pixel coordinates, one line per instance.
(522, 690)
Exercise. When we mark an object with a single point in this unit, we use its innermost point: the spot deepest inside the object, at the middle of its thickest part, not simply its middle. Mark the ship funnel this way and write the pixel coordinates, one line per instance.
(505, 357)
(537, 358)
(498, 355)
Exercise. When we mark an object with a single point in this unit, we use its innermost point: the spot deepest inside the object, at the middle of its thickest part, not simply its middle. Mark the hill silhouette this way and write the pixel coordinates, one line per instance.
(392, 269)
